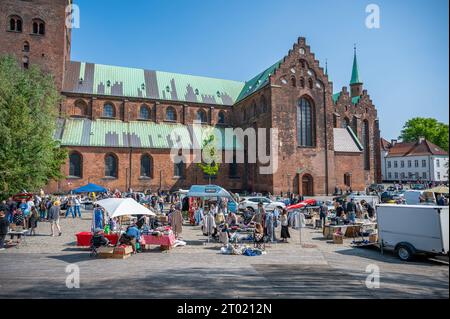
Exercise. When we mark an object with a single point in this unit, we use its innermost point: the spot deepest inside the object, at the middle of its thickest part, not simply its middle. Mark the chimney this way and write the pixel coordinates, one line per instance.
(393, 142)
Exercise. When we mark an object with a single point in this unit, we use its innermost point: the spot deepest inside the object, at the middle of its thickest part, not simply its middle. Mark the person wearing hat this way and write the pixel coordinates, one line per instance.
(53, 217)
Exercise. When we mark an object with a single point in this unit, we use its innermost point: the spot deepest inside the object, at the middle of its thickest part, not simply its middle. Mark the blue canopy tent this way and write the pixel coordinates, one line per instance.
(209, 191)
(90, 188)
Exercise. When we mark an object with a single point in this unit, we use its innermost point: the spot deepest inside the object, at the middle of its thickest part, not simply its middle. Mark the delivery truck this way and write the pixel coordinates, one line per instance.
(413, 229)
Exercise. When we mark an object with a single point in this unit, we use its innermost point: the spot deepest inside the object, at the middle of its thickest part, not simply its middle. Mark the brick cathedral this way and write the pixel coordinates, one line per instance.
(116, 121)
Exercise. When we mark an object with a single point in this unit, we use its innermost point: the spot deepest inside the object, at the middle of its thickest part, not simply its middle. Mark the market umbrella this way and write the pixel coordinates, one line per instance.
(90, 188)
(302, 204)
(116, 207)
(439, 190)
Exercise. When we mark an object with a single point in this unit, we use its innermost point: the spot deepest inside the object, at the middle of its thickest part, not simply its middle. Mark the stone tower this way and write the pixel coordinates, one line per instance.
(35, 32)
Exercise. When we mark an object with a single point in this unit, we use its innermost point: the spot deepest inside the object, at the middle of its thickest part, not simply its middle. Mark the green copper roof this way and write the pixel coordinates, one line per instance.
(139, 134)
(101, 79)
(258, 81)
(355, 71)
(336, 97)
(356, 99)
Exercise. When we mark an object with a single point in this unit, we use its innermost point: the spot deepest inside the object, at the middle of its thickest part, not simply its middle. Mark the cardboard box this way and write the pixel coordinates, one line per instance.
(338, 239)
(123, 250)
(105, 252)
(373, 238)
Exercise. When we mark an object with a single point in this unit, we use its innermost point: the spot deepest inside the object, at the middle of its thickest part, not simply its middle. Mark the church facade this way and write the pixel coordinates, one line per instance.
(117, 122)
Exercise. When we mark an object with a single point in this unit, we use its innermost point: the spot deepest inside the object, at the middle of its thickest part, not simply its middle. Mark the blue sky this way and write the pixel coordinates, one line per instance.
(404, 64)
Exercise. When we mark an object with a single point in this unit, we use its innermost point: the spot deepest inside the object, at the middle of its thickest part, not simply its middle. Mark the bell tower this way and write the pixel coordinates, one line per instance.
(35, 32)
(356, 86)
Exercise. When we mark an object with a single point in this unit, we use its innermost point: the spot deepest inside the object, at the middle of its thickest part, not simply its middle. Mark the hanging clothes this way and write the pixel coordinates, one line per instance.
(209, 224)
(177, 223)
(198, 216)
(270, 226)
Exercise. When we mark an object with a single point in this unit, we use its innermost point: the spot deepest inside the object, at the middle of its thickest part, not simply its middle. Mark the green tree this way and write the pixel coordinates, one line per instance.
(210, 158)
(29, 156)
(428, 128)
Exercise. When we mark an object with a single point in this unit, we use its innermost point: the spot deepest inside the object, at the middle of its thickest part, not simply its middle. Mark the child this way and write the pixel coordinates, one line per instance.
(33, 221)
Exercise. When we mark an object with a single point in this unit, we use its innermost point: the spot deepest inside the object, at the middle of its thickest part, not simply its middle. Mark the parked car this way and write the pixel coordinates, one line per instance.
(252, 203)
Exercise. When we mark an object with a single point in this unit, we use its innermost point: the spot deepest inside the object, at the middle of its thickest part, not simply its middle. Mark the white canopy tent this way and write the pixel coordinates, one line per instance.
(116, 207)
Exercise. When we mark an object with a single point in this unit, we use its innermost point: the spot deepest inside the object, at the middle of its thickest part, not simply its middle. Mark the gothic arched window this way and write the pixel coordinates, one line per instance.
(111, 165)
(144, 112)
(221, 118)
(305, 123)
(171, 115)
(201, 116)
(146, 166)
(75, 165)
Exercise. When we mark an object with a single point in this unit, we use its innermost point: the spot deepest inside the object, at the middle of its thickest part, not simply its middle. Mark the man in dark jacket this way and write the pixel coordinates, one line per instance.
(4, 225)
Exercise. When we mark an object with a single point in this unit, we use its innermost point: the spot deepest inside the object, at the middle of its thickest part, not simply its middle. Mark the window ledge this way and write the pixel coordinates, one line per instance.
(144, 178)
(109, 178)
(74, 177)
(170, 121)
(178, 177)
(13, 31)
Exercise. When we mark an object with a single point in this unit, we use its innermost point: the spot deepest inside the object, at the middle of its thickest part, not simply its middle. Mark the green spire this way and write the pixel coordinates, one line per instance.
(355, 71)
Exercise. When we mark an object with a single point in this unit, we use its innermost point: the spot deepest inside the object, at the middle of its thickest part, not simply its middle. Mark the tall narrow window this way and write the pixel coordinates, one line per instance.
(35, 28)
(302, 83)
(144, 112)
(179, 169)
(311, 83)
(111, 166)
(263, 104)
(305, 123)
(146, 166)
(221, 118)
(75, 165)
(355, 125)
(293, 82)
(365, 139)
(334, 121)
(233, 168)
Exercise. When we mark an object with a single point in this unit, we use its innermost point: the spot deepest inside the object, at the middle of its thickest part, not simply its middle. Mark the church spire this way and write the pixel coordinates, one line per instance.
(355, 70)
(326, 67)
(356, 86)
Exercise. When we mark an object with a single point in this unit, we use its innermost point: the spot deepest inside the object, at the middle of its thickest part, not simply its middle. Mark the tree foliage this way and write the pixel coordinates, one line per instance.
(209, 164)
(428, 128)
(29, 156)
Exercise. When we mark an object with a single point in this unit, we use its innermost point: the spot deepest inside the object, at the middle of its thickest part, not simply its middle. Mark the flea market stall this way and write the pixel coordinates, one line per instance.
(122, 210)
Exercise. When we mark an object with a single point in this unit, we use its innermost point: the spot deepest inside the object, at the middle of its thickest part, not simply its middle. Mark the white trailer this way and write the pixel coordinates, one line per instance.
(413, 229)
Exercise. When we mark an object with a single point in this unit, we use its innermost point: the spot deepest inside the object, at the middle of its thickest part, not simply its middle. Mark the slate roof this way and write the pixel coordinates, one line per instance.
(138, 134)
(421, 148)
(345, 141)
(118, 81)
